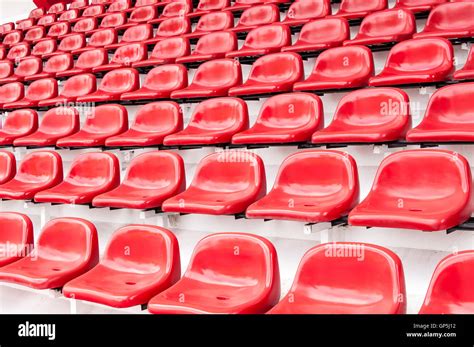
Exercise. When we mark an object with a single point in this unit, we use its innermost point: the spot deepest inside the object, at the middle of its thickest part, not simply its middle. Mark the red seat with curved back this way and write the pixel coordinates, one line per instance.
(76, 86)
(240, 5)
(69, 16)
(285, 118)
(417, 6)
(43, 89)
(47, 20)
(256, 16)
(102, 122)
(408, 194)
(123, 280)
(340, 68)
(159, 83)
(6, 28)
(213, 121)
(85, 25)
(174, 9)
(450, 291)
(37, 171)
(99, 39)
(214, 190)
(319, 35)
(19, 51)
(3, 52)
(212, 22)
(18, 123)
(59, 29)
(11, 92)
(208, 6)
(67, 248)
(37, 13)
(17, 230)
(170, 28)
(35, 34)
(93, 11)
(385, 27)
(153, 122)
(12, 38)
(328, 272)
(113, 85)
(7, 169)
(467, 72)
(135, 34)
(417, 61)
(303, 11)
(86, 62)
(218, 282)
(368, 115)
(44, 47)
(57, 63)
(272, 73)
(165, 52)
(356, 9)
(25, 24)
(57, 8)
(312, 186)
(213, 78)
(79, 4)
(55, 124)
(150, 179)
(90, 174)
(211, 46)
(6, 71)
(113, 20)
(140, 15)
(124, 56)
(448, 117)
(450, 20)
(119, 6)
(69, 44)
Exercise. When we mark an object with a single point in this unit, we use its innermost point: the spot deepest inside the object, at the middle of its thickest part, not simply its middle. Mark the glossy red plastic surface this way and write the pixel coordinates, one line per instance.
(47, 20)
(67, 247)
(59, 29)
(93, 11)
(467, 72)
(72, 42)
(124, 56)
(37, 171)
(70, 15)
(170, 28)
(76, 86)
(19, 51)
(340, 68)
(57, 63)
(338, 278)
(99, 39)
(42, 89)
(12, 38)
(151, 178)
(355, 9)
(57, 8)
(213, 21)
(417, 61)
(141, 15)
(153, 122)
(35, 34)
(11, 92)
(426, 190)
(36, 13)
(272, 73)
(240, 5)
(448, 116)
(18, 124)
(388, 26)
(113, 20)
(218, 280)
(85, 25)
(303, 11)
(256, 16)
(166, 51)
(211, 46)
(86, 62)
(124, 280)
(17, 232)
(213, 121)
(368, 115)
(6, 71)
(285, 118)
(208, 6)
(138, 33)
(7, 167)
(418, 5)
(27, 67)
(174, 9)
(119, 5)
(44, 47)
(90, 174)
(450, 290)
(25, 24)
(55, 124)
(224, 183)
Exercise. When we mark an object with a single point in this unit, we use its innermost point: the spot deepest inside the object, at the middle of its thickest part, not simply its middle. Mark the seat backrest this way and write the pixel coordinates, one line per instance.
(106, 119)
(79, 85)
(168, 77)
(177, 9)
(85, 25)
(59, 63)
(259, 15)
(388, 22)
(78, 4)
(6, 68)
(139, 3)
(170, 117)
(215, 21)
(137, 33)
(173, 27)
(42, 89)
(29, 66)
(19, 51)
(103, 38)
(268, 36)
(5, 28)
(57, 7)
(143, 14)
(218, 73)
(7, 172)
(277, 67)
(93, 58)
(113, 20)
(13, 37)
(47, 20)
(62, 121)
(94, 169)
(415, 3)
(35, 34)
(451, 16)
(212, 5)
(69, 15)
(324, 31)
(11, 92)
(216, 42)
(351, 6)
(36, 13)
(40, 167)
(130, 53)
(173, 47)
(247, 2)
(120, 81)
(59, 29)
(3, 52)
(119, 5)
(17, 229)
(92, 11)
(309, 9)
(44, 47)
(25, 23)
(22, 122)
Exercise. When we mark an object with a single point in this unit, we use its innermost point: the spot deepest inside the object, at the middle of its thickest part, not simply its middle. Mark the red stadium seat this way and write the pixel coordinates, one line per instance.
(37, 171)
(467, 72)
(71, 43)
(79, 4)
(368, 115)
(417, 61)
(148, 129)
(7, 27)
(99, 39)
(25, 24)
(135, 34)
(102, 122)
(59, 29)
(7, 172)
(408, 194)
(119, 6)
(18, 124)
(166, 51)
(113, 20)
(113, 85)
(152, 266)
(356, 9)
(170, 28)
(35, 34)
(257, 16)
(47, 20)
(85, 25)
(418, 5)
(140, 15)
(340, 68)
(57, 8)
(57, 63)
(450, 20)
(303, 11)
(93, 11)
(11, 92)
(211, 46)
(337, 278)
(36, 13)
(272, 73)
(44, 47)
(90, 174)
(3, 52)
(214, 190)
(285, 118)
(6, 71)
(12, 38)
(55, 124)
(213, 78)
(208, 6)
(321, 186)
(42, 89)
(384, 27)
(212, 22)
(320, 34)
(218, 282)
(174, 9)
(69, 16)
(19, 51)
(74, 87)
(448, 116)
(86, 62)
(139, 3)
(151, 178)
(17, 231)
(240, 5)
(67, 248)
(125, 56)
(214, 121)
(160, 82)
(450, 288)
